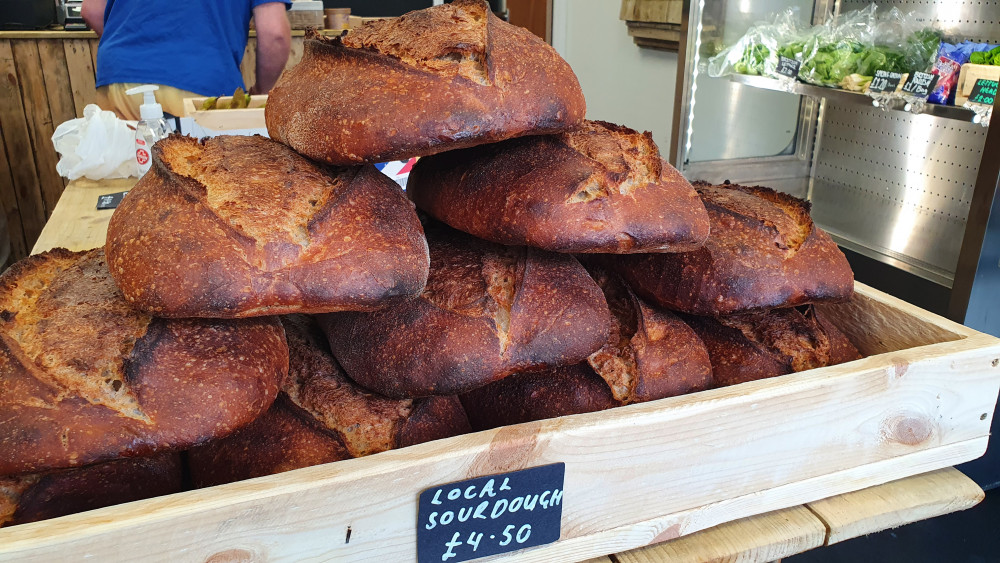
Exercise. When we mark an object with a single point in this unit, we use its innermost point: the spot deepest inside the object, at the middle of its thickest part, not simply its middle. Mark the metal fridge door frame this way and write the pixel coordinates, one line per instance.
(798, 164)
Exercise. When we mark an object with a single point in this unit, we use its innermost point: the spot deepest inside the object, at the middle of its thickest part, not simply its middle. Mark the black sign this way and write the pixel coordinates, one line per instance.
(788, 67)
(490, 515)
(983, 92)
(110, 201)
(920, 84)
(885, 81)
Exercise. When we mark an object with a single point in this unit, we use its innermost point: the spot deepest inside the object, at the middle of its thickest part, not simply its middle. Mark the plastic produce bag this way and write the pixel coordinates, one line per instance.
(756, 53)
(947, 66)
(838, 49)
(97, 145)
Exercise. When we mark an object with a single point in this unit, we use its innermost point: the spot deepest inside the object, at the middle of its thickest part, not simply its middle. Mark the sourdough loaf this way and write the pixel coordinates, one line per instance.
(524, 397)
(321, 416)
(650, 353)
(242, 226)
(446, 77)
(598, 188)
(487, 311)
(763, 252)
(84, 378)
(766, 344)
(40, 496)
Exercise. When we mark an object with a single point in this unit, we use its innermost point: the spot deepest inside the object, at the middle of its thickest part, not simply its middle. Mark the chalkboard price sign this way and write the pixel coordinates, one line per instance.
(490, 515)
(920, 84)
(788, 67)
(110, 201)
(885, 81)
(983, 92)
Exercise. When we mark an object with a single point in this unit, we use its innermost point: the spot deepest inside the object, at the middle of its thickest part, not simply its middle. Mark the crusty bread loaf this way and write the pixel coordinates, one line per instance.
(487, 311)
(39, 496)
(321, 416)
(524, 397)
(84, 378)
(598, 188)
(243, 226)
(280, 440)
(765, 344)
(764, 252)
(442, 78)
(650, 353)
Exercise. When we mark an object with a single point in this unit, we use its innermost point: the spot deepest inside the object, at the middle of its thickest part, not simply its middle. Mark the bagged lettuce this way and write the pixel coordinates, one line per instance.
(756, 52)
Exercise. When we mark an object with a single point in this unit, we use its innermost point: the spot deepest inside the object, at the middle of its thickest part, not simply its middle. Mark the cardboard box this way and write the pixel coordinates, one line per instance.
(197, 122)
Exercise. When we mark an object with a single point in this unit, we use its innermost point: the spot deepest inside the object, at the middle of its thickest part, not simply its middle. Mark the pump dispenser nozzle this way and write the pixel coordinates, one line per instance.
(149, 108)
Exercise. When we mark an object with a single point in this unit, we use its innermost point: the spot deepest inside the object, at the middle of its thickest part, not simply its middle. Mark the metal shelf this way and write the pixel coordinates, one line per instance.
(801, 88)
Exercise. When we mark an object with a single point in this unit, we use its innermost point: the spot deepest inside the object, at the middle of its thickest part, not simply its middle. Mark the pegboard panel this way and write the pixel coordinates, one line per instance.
(897, 184)
(978, 20)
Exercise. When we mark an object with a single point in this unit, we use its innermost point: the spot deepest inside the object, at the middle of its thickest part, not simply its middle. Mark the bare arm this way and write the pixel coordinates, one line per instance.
(93, 13)
(274, 40)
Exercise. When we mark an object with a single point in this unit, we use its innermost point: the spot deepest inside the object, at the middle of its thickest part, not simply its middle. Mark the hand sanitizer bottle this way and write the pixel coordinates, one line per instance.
(151, 128)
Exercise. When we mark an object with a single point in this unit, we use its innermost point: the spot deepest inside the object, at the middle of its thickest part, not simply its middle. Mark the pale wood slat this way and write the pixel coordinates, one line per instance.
(19, 152)
(897, 503)
(39, 119)
(80, 65)
(766, 537)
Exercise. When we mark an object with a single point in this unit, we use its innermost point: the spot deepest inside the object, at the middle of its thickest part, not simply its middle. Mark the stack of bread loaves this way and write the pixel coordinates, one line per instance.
(396, 328)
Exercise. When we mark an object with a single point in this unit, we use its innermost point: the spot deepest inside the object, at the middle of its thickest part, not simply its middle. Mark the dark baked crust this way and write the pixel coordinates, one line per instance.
(764, 252)
(243, 226)
(767, 344)
(280, 440)
(488, 311)
(364, 422)
(650, 353)
(321, 416)
(34, 497)
(84, 378)
(524, 397)
(598, 188)
(446, 77)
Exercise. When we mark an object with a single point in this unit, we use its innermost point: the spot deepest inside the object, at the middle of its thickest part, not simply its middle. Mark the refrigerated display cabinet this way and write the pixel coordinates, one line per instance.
(910, 197)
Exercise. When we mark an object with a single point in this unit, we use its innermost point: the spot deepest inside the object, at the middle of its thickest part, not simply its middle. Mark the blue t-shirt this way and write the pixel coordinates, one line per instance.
(194, 45)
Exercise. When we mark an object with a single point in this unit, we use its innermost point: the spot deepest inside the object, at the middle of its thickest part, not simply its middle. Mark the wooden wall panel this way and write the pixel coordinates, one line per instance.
(80, 65)
(39, 120)
(8, 200)
(17, 141)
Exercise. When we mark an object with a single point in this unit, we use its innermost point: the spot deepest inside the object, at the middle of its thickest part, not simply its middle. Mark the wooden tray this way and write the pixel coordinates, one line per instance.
(635, 475)
(251, 117)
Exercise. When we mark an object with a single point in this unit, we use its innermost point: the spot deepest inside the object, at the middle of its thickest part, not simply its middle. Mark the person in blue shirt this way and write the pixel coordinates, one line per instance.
(191, 48)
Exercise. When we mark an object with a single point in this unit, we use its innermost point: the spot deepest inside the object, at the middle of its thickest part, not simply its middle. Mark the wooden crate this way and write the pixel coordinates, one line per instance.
(968, 76)
(923, 399)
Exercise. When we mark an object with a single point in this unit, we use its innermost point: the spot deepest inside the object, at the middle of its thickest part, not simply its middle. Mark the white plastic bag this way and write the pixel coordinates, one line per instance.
(97, 145)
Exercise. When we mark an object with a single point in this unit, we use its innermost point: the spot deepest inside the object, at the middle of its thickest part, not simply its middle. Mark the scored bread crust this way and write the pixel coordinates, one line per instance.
(321, 416)
(40, 496)
(763, 252)
(84, 378)
(599, 188)
(438, 79)
(650, 353)
(242, 226)
(488, 311)
(365, 422)
(759, 345)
